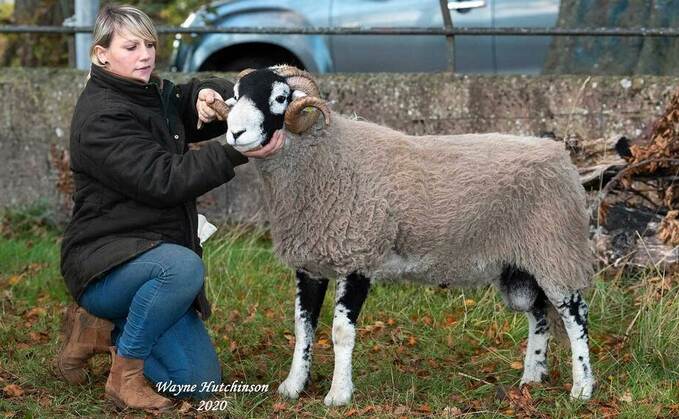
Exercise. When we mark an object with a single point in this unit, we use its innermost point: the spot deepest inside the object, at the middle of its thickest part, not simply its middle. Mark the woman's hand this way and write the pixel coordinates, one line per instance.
(205, 113)
(276, 143)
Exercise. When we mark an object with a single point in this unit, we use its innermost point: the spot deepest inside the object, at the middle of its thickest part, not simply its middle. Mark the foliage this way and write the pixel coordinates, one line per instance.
(53, 50)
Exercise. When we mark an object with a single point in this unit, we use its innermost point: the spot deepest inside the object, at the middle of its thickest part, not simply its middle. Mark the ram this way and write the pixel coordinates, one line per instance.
(356, 201)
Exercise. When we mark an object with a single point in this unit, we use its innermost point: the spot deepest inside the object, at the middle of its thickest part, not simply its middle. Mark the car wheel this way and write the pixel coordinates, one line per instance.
(241, 63)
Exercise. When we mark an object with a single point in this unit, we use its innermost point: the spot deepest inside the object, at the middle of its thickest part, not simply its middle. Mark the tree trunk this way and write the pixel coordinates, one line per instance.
(611, 54)
(32, 50)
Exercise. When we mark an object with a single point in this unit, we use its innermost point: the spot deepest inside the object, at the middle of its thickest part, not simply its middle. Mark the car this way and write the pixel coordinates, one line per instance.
(366, 53)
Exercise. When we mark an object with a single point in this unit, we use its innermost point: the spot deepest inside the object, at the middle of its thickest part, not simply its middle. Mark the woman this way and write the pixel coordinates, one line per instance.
(131, 255)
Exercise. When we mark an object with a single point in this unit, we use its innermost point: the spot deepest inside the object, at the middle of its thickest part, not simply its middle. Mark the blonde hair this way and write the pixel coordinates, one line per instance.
(113, 18)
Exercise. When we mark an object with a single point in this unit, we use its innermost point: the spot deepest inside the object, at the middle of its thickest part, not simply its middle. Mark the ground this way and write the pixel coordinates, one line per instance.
(420, 352)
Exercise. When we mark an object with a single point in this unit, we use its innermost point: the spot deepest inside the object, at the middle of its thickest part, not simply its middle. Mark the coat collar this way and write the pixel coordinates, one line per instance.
(142, 93)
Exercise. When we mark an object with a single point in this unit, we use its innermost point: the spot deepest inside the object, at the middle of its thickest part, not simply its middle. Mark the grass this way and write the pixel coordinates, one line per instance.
(419, 351)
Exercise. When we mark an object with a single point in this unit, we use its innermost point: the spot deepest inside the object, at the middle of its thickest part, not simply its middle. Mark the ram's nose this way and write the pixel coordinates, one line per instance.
(237, 134)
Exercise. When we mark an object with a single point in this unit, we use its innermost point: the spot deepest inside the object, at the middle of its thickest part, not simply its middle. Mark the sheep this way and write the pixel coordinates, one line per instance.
(356, 201)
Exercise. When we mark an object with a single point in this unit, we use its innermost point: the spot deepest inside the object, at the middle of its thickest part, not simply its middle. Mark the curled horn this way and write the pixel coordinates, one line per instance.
(221, 108)
(244, 73)
(298, 120)
(297, 117)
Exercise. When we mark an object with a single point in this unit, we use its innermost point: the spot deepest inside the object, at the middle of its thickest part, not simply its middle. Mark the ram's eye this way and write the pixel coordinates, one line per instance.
(280, 99)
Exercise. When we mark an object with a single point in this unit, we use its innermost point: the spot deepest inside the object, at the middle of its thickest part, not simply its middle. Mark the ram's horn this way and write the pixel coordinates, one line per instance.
(298, 79)
(244, 73)
(285, 70)
(221, 108)
(298, 119)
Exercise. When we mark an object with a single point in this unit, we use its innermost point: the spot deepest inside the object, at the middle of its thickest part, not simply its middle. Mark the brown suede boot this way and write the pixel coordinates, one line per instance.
(127, 387)
(83, 335)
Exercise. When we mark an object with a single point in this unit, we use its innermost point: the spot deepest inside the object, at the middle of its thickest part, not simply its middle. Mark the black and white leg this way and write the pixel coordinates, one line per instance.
(573, 310)
(535, 363)
(350, 295)
(308, 303)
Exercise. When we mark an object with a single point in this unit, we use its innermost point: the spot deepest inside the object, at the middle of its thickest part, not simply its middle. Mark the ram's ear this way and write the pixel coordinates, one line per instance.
(298, 94)
(230, 101)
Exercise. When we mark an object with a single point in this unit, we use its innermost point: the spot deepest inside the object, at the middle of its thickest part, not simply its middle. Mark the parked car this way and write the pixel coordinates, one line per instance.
(366, 53)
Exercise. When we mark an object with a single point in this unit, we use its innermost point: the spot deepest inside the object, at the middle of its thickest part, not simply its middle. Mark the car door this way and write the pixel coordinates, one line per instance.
(407, 53)
(473, 54)
(523, 54)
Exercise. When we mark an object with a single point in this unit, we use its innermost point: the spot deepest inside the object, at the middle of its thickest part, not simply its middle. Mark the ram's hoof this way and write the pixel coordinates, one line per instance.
(582, 390)
(338, 396)
(533, 375)
(290, 389)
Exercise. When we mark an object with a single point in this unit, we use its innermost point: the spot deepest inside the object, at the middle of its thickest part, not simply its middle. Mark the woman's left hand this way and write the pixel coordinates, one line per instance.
(276, 143)
(205, 113)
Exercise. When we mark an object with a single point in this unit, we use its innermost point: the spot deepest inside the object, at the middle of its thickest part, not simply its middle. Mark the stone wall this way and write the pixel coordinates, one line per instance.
(37, 104)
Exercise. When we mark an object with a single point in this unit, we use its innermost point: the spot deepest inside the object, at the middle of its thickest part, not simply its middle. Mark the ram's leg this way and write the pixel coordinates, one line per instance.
(535, 363)
(573, 310)
(308, 302)
(349, 298)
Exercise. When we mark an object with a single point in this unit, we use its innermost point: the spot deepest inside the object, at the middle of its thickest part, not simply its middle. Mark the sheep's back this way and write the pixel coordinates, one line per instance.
(467, 204)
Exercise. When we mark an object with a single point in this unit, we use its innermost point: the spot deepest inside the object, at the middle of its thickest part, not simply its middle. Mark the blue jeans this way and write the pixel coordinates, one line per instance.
(149, 300)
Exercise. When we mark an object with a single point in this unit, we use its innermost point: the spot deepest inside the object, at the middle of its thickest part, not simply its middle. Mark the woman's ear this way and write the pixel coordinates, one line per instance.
(101, 54)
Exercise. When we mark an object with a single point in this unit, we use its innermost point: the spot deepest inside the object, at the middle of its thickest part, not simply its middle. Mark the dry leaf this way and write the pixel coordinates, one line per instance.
(400, 410)
(351, 412)
(13, 390)
(626, 397)
(516, 365)
(15, 279)
(450, 412)
(412, 341)
(185, 407)
(279, 407)
(35, 312)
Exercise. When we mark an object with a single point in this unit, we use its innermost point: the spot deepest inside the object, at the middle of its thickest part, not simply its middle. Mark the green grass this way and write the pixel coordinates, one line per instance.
(419, 351)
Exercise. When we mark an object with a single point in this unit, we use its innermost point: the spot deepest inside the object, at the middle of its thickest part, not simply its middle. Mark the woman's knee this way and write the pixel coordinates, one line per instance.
(182, 266)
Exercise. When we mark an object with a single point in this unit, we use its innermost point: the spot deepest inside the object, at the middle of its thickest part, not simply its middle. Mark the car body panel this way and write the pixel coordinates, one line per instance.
(370, 53)
(312, 50)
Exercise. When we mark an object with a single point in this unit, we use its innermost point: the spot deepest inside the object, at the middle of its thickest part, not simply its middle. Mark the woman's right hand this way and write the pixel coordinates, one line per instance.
(273, 147)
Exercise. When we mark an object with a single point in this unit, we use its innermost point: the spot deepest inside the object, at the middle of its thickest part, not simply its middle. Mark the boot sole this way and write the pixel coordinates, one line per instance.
(121, 406)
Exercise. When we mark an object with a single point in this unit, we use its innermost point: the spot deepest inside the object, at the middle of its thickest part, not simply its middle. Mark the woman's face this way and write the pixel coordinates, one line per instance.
(129, 56)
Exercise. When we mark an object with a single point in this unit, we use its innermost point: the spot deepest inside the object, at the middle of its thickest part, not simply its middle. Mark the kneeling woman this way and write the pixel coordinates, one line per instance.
(131, 255)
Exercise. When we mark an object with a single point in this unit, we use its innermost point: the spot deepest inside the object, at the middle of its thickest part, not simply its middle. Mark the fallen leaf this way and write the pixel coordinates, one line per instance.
(450, 412)
(424, 408)
(13, 390)
(516, 365)
(367, 410)
(185, 407)
(469, 302)
(279, 407)
(450, 320)
(15, 279)
(626, 397)
(35, 312)
(400, 410)
(412, 341)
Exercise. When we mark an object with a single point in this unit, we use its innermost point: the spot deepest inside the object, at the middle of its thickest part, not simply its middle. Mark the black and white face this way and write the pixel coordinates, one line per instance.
(257, 109)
